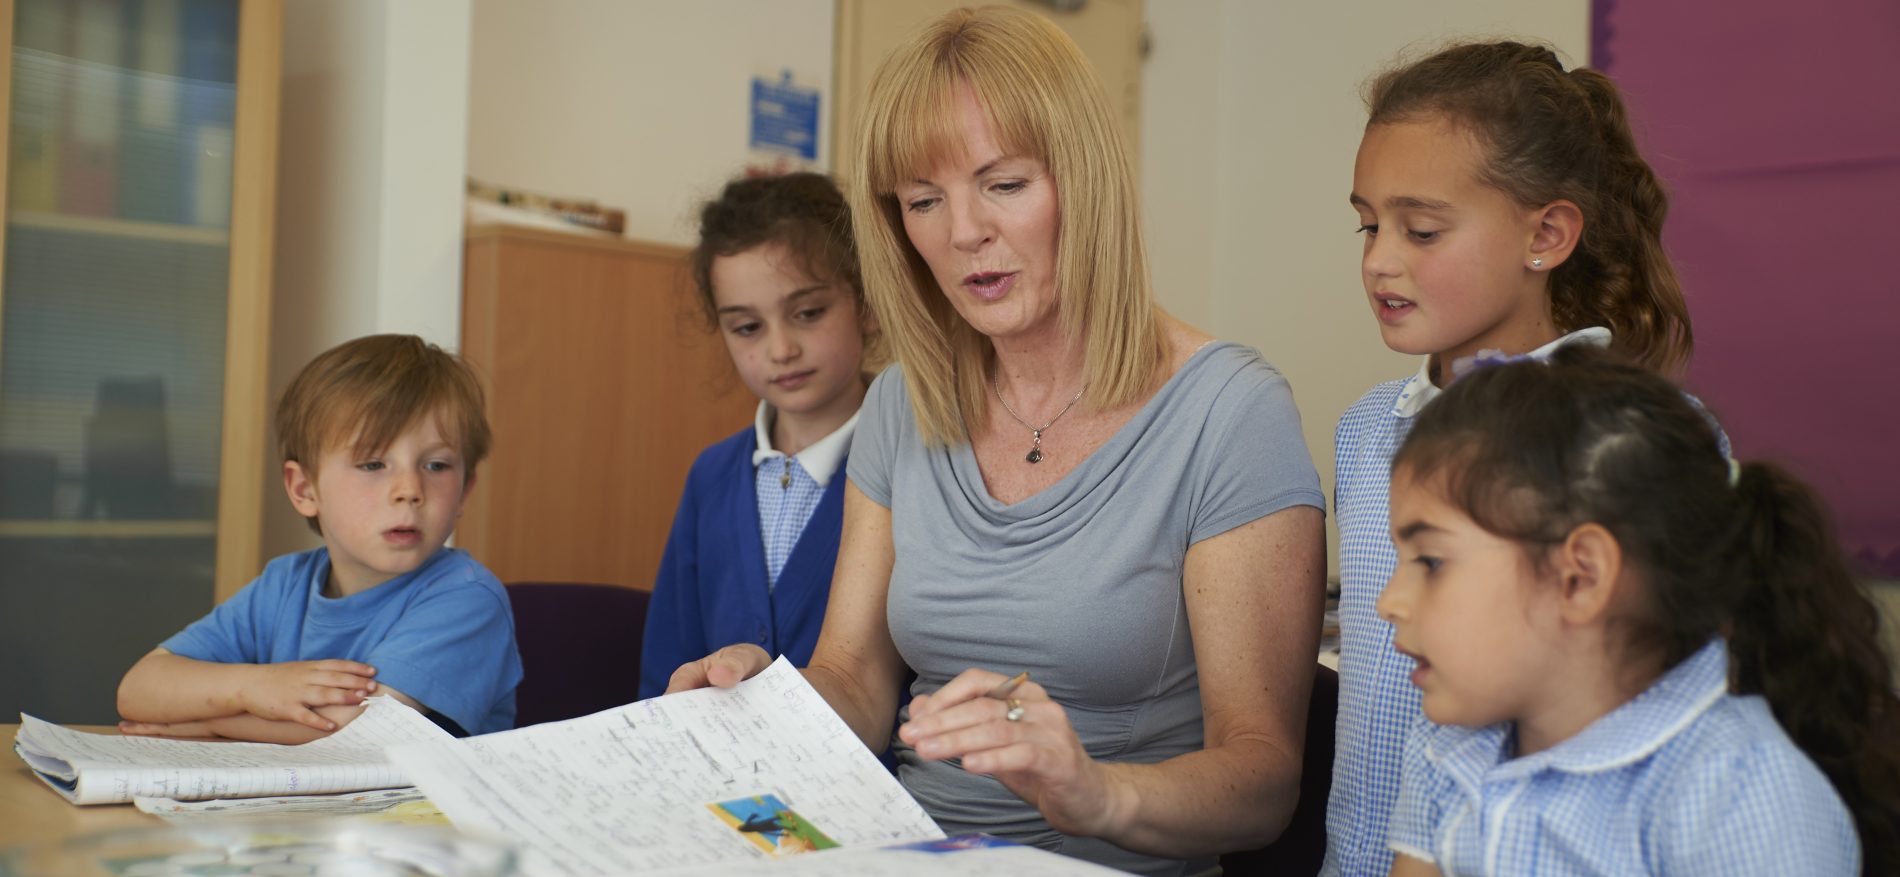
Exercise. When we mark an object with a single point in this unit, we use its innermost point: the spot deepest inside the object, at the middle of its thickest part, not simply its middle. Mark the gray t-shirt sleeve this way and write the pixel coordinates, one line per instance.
(1259, 463)
(880, 425)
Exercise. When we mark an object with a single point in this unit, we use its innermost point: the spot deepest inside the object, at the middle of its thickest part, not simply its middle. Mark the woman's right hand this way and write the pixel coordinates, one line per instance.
(721, 669)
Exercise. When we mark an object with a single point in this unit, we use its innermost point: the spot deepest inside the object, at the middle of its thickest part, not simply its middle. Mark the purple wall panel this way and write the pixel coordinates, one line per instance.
(1777, 128)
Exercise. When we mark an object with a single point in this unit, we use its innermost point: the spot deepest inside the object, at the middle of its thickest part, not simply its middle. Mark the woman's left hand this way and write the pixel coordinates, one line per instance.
(1036, 755)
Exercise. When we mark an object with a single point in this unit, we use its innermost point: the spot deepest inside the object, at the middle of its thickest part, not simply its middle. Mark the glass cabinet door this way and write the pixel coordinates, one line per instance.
(113, 308)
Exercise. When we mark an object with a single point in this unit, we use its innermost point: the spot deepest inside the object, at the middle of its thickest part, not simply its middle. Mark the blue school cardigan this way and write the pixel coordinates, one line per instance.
(711, 590)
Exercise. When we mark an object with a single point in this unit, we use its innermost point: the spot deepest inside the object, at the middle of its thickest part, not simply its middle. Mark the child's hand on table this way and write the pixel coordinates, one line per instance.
(290, 691)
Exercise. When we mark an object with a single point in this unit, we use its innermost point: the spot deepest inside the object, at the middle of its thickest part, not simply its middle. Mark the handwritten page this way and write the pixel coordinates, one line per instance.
(961, 856)
(406, 805)
(103, 769)
(634, 787)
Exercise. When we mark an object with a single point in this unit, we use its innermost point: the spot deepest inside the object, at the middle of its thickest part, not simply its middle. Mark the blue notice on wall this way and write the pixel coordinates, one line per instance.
(784, 117)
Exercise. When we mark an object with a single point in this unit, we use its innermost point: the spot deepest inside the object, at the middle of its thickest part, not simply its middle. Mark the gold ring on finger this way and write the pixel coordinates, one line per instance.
(1015, 713)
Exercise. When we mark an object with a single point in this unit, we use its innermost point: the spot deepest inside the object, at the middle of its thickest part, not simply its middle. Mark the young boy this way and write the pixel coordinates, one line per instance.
(380, 439)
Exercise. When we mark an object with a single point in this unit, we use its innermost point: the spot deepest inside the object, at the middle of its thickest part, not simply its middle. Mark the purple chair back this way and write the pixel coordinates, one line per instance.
(580, 648)
(1301, 849)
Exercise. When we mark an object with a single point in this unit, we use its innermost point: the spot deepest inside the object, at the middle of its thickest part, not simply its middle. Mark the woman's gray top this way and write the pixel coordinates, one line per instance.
(1081, 583)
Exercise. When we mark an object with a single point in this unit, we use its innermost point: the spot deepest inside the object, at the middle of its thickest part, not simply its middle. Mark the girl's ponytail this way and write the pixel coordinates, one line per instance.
(1807, 638)
(1554, 135)
(1620, 277)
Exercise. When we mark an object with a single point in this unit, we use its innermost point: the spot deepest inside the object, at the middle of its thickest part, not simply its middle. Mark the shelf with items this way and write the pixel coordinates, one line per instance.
(107, 529)
(121, 228)
(135, 287)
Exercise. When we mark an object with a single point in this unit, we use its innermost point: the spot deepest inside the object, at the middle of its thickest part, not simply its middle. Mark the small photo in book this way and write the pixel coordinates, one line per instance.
(767, 823)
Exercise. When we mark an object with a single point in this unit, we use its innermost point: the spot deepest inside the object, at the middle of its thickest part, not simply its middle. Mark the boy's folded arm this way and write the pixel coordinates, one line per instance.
(165, 688)
(261, 730)
(257, 729)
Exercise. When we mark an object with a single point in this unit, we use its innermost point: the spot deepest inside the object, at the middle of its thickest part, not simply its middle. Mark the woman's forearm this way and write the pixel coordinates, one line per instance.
(848, 698)
(1232, 797)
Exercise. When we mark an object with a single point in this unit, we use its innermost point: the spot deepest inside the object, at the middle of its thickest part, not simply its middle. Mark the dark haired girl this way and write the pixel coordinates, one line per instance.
(1640, 656)
(756, 535)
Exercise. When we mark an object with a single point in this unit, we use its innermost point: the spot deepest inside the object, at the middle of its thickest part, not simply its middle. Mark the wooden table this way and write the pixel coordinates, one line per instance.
(32, 811)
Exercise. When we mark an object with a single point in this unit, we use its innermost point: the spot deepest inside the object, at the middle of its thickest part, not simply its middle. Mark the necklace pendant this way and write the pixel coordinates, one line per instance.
(1034, 456)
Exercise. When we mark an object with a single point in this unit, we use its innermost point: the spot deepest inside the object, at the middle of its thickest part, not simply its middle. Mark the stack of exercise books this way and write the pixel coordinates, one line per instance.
(100, 769)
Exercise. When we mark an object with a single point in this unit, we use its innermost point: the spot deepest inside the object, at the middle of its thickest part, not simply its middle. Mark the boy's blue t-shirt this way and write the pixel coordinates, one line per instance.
(443, 634)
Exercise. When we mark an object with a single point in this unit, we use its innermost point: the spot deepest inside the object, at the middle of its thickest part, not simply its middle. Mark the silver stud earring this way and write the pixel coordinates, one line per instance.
(1537, 263)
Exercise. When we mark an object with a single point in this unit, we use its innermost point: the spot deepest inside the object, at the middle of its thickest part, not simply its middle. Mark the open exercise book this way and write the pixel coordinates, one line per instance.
(103, 769)
(701, 778)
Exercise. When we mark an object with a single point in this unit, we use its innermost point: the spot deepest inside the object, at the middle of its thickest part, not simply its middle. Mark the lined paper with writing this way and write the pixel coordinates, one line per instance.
(103, 769)
(964, 856)
(628, 789)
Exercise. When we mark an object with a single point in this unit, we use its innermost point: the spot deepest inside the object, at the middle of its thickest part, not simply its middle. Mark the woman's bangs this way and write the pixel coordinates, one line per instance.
(916, 131)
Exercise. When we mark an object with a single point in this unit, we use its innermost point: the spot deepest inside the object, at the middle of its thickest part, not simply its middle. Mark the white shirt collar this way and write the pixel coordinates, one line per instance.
(1627, 734)
(1420, 391)
(819, 460)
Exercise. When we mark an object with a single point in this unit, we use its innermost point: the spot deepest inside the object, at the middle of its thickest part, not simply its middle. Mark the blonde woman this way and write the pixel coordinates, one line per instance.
(1057, 478)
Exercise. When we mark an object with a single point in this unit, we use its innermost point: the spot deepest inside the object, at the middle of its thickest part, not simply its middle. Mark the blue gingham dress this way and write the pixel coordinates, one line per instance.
(1684, 779)
(1377, 702)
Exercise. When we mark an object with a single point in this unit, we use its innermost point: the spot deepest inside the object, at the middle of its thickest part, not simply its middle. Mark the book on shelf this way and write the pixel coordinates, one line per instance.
(124, 109)
(153, 148)
(89, 162)
(40, 72)
(88, 768)
(208, 31)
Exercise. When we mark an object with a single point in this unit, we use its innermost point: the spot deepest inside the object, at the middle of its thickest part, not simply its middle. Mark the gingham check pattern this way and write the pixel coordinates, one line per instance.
(783, 510)
(1682, 780)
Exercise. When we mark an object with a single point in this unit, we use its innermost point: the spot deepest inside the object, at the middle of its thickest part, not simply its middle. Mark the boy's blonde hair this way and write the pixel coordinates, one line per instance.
(1042, 101)
(367, 391)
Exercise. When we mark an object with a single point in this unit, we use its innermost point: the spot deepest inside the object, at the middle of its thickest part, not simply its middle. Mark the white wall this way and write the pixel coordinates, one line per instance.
(370, 168)
(1251, 118)
(637, 104)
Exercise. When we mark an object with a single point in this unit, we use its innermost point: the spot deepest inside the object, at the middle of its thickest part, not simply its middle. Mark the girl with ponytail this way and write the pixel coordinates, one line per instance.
(1504, 208)
(1637, 655)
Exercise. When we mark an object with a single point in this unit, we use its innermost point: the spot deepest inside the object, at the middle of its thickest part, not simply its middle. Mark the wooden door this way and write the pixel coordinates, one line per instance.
(603, 386)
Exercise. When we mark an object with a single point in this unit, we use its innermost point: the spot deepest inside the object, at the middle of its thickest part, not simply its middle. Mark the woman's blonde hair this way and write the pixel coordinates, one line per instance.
(1042, 101)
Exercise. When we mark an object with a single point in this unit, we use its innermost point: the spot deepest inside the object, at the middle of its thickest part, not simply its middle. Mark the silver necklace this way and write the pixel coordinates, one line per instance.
(1035, 451)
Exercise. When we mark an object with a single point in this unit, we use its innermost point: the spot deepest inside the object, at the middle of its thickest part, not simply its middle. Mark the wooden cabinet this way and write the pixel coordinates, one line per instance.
(603, 385)
(141, 143)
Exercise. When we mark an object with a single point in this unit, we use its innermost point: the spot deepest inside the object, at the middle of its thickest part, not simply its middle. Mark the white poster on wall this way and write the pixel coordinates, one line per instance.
(783, 124)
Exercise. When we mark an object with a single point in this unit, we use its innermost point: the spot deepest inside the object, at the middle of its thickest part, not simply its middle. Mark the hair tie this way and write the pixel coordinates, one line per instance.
(1486, 358)
(1734, 472)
